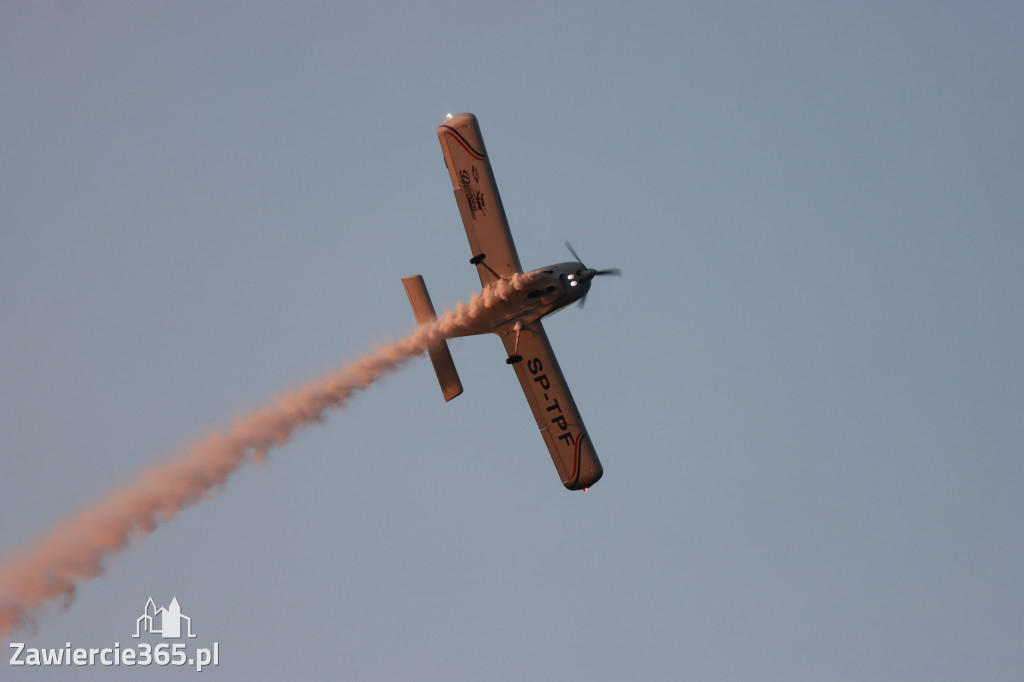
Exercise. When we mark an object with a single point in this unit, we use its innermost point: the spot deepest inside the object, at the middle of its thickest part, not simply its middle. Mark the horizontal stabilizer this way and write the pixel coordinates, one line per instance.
(440, 356)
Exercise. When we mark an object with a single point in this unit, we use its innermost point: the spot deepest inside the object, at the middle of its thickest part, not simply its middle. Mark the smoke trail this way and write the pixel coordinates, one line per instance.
(78, 547)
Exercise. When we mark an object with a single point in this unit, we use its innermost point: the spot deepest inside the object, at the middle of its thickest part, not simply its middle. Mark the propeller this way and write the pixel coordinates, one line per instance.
(587, 273)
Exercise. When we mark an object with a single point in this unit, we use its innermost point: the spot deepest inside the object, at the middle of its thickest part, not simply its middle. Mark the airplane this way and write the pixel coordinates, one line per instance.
(517, 320)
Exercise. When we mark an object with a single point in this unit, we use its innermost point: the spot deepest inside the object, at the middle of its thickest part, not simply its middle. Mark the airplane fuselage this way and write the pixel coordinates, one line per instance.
(546, 291)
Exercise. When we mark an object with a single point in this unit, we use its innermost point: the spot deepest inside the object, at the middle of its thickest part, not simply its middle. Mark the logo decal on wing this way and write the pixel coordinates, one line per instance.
(474, 197)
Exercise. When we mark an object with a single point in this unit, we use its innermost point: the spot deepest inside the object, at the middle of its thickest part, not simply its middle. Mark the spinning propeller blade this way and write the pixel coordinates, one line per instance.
(587, 272)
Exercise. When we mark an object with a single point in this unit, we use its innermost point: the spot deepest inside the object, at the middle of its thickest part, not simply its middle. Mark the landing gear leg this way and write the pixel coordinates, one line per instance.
(478, 259)
(515, 357)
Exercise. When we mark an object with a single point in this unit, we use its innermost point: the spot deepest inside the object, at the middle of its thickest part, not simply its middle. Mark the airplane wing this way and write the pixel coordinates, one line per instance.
(478, 199)
(553, 408)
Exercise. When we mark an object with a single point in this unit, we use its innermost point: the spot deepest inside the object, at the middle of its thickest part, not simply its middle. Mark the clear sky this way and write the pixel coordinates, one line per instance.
(806, 390)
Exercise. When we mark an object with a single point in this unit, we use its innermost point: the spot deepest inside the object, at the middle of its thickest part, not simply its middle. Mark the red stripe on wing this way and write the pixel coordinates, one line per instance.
(465, 145)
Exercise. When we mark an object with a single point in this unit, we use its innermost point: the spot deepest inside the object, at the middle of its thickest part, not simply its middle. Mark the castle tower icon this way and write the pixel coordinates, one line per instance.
(165, 622)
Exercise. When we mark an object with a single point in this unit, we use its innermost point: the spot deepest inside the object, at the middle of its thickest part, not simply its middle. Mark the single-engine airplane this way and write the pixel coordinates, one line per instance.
(517, 320)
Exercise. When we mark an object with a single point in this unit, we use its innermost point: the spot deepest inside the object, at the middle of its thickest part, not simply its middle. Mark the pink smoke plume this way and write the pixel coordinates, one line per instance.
(78, 547)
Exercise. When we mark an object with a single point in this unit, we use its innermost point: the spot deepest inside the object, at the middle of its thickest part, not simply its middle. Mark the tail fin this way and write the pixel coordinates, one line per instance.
(440, 356)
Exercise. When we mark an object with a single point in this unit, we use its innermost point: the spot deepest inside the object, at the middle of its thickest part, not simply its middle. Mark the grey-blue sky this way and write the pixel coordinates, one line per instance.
(806, 389)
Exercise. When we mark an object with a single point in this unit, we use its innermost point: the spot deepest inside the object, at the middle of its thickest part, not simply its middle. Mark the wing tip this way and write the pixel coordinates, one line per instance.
(588, 467)
(586, 479)
(456, 121)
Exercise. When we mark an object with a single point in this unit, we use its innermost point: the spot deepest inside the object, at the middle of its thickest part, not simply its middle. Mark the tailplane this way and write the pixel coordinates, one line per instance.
(440, 356)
